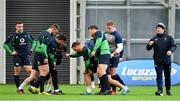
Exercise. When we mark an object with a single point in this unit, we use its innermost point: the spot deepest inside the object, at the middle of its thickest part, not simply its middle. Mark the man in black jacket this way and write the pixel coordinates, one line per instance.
(163, 46)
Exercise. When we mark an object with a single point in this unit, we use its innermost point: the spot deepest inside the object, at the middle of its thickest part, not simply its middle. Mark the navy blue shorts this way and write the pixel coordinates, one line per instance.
(19, 60)
(104, 59)
(114, 61)
(38, 60)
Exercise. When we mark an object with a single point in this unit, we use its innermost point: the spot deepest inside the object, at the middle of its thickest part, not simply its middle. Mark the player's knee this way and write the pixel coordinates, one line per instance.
(113, 73)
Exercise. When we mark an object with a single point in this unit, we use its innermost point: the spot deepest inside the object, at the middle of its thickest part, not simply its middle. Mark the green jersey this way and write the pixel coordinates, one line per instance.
(101, 45)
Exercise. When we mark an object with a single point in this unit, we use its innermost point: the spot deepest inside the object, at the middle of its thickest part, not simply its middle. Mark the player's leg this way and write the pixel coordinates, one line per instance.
(159, 80)
(114, 61)
(49, 83)
(54, 75)
(118, 84)
(28, 80)
(43, 71)
(87, 77)
(92, 81)
(93, 69)
(101, 71)
(167, 74)
(17, 69)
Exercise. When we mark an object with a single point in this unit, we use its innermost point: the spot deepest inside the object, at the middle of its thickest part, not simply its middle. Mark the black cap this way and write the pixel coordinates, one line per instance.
(161, 25)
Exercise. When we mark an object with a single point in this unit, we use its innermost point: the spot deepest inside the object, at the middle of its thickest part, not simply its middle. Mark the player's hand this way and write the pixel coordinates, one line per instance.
(67, 55)
(14, 53)
(112, 55)
(151, 43)
(169, 53)
(93, 53)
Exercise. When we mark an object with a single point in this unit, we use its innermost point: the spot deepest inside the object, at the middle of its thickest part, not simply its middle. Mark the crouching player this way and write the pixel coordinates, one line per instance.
(40, 62)
(90, 63)
(55, 59)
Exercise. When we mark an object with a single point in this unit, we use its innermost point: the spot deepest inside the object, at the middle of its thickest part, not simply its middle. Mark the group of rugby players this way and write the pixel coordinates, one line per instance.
(101, 54)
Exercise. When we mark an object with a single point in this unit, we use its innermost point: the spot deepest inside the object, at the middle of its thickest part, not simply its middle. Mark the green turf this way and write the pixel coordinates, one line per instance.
(7, 92)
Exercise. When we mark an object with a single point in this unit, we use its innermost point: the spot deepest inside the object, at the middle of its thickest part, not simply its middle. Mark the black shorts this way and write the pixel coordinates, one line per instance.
(38, 60)
(94, 65)
(19, 60)
(108, 72)
(114, 61)
(104, 59)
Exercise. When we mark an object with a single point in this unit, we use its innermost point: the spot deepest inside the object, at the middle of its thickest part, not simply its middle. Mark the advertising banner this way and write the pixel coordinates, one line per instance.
(142, 72)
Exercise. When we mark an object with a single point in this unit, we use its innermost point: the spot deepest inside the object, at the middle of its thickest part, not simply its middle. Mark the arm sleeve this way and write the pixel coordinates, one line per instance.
(173, 45)
(99, 37)
(86, 58)
(44, 49)
(75, 55)
(51, 58)
(148, 47)
(32, 41)
(58, 57)
(118, 38)
(119, 47)
(6, 44)
(45, 42)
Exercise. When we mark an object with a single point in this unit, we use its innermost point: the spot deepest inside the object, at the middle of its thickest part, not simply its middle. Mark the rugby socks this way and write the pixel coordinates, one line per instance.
(113, 86)
(17, 80)
(54, 79)
(92, 77)
(92, 80)
(89, 89)
(41, 83)
(48, 87)
(32, 83)
(120, 80)
(104, 83)
(22, 86)
(93, 84)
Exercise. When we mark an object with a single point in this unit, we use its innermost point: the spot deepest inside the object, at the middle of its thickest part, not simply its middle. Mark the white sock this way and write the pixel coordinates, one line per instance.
(56, 90)
(48, 87)
(22, 85)
(89, 89)
(122, 87)
(92, 84)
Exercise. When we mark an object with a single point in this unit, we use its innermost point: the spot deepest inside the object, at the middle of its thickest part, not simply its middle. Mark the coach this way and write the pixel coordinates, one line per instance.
(163, 46)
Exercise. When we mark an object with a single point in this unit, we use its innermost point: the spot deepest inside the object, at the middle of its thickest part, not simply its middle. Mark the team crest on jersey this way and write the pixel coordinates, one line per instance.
(17, 64)
(22, 41)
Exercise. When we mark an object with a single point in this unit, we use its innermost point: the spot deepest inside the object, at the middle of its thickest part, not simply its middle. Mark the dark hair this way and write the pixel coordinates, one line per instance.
(74, 44)
(92, 27)
(110, 23)
(19, 22)
(63, 47)
(61, 36)
(55, 26)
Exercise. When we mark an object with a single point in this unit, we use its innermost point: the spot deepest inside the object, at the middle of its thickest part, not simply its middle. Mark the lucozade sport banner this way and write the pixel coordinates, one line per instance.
(142, 72)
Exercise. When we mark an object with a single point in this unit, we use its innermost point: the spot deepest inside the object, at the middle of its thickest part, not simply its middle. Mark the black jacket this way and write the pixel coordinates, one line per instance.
(162, 43)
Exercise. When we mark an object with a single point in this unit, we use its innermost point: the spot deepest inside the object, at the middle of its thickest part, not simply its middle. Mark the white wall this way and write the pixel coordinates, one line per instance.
(2, 39)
